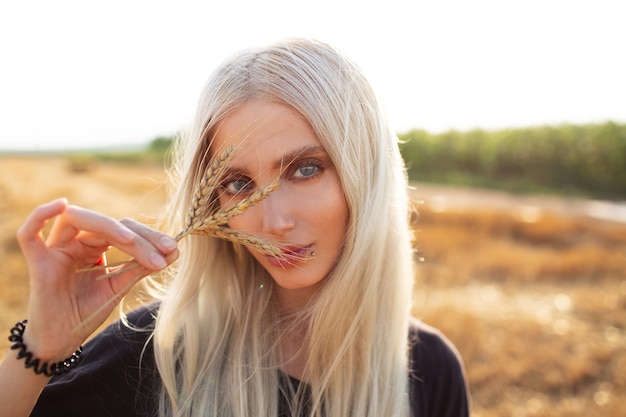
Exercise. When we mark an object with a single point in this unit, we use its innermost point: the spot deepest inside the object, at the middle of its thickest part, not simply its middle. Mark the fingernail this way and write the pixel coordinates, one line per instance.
(157, 260)
(167, 242)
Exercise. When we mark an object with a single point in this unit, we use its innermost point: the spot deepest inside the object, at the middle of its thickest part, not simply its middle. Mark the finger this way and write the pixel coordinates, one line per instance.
(94, 240)
(124, 277)
(111, 232)
(102, 261)
(119, 268)
(76, 219)
(164, 243)
(29, 235)
(95, 256)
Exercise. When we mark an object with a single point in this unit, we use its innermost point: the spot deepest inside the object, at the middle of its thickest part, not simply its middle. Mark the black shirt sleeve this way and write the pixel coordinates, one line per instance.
(117, 375)
(437, 383)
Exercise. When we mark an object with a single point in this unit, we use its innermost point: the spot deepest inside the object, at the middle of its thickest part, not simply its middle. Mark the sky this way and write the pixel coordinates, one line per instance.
(87, 74)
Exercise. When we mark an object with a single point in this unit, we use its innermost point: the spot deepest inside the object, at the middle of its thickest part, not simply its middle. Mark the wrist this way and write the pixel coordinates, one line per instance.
(41, 365)
(43, 348)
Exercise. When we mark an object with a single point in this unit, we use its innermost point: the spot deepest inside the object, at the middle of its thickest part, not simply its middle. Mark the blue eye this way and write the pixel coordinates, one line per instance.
(306, 170)
(236, 186)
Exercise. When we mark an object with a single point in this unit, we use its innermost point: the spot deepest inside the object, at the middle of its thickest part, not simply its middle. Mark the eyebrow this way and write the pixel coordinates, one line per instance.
(298, 153)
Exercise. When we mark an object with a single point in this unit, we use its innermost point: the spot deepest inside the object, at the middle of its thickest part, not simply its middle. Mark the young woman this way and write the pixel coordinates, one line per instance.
(320, 328)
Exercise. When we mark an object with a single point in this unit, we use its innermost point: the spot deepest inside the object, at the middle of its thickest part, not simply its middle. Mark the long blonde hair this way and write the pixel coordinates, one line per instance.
(217, 333)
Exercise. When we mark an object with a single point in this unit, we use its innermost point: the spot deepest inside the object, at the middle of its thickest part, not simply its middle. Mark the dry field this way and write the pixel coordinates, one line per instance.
(532, 292)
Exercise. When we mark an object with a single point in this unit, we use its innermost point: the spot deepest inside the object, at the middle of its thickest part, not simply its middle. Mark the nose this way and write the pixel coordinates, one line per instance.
(277, 213)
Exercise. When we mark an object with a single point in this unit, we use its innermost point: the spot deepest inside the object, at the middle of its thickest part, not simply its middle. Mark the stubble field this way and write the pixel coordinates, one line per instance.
(532, 293)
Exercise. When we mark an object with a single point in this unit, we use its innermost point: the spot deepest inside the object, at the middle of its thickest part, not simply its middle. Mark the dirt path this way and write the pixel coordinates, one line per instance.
(442, 198)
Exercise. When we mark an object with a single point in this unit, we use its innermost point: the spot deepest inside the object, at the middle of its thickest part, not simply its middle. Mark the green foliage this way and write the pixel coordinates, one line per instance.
(155, 152)
(160, 145)
(571, 159)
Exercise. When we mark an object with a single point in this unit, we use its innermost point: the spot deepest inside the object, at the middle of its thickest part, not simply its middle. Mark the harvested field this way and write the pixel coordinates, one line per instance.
(532, 290)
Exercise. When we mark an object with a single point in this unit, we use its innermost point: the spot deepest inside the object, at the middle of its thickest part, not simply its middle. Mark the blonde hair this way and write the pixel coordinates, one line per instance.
(217, 334)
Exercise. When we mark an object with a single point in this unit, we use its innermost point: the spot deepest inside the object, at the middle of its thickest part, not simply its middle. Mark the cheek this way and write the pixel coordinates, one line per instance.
(243, 221)
(333, 213)
(239, 222)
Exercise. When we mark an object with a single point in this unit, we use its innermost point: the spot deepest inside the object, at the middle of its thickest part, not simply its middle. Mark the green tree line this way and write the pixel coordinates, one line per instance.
(571, 159)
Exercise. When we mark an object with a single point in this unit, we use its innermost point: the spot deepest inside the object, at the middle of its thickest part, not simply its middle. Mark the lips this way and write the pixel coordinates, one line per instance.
(291, 255)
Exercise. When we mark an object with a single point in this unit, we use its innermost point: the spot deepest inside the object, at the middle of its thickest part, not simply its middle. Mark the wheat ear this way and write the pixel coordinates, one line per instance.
(205, 225)
(207, 186)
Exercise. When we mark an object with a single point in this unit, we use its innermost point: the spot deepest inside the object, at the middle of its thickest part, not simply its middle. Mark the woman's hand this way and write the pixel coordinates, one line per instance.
(62, 297)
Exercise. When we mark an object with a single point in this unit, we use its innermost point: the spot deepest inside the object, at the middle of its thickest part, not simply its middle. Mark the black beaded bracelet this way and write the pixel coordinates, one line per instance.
(59, 368)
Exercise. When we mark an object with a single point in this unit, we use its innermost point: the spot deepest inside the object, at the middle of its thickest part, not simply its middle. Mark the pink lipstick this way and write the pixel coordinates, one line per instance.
(290, 255)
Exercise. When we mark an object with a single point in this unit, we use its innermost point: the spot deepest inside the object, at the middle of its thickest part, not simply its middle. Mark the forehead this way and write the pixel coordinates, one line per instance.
(263, 131)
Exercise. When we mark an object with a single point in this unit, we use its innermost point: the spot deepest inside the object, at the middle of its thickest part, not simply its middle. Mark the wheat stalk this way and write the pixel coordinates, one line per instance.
(200, 221)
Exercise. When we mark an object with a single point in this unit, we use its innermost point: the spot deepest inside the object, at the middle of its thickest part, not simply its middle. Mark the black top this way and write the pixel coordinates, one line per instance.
(118, 377)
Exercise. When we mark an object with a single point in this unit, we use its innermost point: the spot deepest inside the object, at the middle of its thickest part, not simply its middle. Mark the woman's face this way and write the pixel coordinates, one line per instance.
(307, 214)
